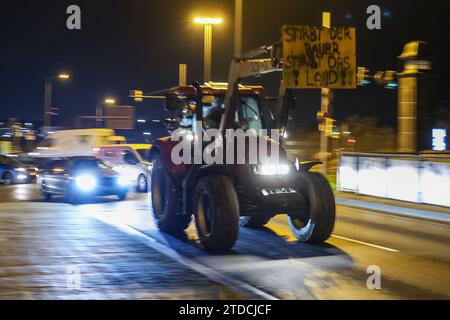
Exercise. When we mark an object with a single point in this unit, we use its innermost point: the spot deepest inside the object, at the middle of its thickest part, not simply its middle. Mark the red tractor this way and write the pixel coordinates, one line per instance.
(223, 197)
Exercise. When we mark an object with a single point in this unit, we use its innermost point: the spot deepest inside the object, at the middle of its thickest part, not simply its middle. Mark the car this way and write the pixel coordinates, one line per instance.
(35, 162)
(70, 143)
(81, 178)
(13, 171)
(129, 159)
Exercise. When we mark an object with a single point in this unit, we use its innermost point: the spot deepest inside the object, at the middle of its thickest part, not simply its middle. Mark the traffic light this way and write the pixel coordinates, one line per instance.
(390, 78)
(321, 116)
(363, 76)
(329, 126)
(326, 123)
(138, 95)
(387, 78)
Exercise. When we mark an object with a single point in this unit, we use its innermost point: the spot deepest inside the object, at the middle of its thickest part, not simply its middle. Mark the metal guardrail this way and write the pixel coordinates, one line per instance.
(423, 178)
(445, 156)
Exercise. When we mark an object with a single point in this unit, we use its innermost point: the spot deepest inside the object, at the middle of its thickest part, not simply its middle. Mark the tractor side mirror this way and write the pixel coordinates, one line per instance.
(171, 124)
(172, 102)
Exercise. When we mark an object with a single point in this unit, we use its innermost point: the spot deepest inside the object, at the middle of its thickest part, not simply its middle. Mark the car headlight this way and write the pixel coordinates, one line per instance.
(272, 169)
(21, 169)
(85, 182)
(123, 181)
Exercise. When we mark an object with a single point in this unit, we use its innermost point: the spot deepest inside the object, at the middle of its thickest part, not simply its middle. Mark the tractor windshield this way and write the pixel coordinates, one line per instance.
(248, 114)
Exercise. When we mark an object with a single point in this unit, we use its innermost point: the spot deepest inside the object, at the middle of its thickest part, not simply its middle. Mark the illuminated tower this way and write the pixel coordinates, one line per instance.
(414, 99)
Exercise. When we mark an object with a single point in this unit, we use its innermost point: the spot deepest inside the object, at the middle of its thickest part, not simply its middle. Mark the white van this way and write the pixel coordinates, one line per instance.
(82, 142)
(130, 160)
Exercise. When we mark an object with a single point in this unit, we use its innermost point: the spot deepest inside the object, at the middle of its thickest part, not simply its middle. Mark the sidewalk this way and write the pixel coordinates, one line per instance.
(396, 207)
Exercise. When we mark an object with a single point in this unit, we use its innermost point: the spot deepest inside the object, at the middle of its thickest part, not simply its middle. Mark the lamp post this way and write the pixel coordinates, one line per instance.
(99, 111)
(48, 96)
(326, 96)
(238, 27)
(208, 23)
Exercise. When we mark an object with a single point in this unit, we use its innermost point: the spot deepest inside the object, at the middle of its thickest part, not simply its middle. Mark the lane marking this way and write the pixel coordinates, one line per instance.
(365, 243)
(217, 277)
(347, 239)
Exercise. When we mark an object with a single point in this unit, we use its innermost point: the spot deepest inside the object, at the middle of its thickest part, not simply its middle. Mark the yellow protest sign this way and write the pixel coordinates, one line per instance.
(318, 57)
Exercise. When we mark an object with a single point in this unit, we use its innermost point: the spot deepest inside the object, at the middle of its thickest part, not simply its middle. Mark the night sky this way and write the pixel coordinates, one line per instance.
(139, 44)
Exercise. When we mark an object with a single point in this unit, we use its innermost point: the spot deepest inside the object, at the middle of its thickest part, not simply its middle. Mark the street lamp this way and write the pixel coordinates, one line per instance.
(208, 23)
(48, 96)
(110, 101)
(99, 111)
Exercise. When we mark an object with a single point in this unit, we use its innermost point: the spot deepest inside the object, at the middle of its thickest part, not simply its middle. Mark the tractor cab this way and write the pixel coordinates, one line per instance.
(206, 103)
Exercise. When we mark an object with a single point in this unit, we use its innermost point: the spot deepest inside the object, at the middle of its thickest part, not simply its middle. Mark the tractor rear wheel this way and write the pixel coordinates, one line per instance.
(166, 200)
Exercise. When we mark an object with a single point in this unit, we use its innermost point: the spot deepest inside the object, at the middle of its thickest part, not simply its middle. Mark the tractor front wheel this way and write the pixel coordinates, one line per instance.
(316, 223)
(216, 213)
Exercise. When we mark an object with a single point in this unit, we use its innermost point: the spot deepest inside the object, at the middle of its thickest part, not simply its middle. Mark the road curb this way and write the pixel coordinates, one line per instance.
(398, 214)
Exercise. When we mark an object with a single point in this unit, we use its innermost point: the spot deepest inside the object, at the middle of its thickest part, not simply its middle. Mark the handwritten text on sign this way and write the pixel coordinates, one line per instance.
(317, 57)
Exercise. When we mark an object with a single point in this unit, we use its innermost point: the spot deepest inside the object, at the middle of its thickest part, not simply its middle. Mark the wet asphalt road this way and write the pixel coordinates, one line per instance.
(119, 254)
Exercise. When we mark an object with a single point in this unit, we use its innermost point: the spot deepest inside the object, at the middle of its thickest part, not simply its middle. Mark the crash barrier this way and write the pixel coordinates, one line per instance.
(419, 179)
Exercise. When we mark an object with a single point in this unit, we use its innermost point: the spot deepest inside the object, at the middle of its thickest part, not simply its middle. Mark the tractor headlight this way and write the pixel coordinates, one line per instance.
(21, 169)
(272, 169)
(86, 182)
